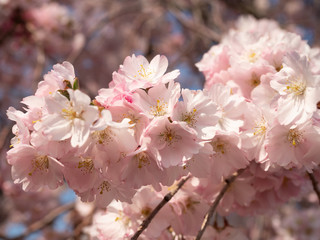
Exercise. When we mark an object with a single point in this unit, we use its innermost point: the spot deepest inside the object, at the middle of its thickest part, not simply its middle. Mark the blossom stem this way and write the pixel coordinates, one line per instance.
(314, 185)
(163, 202)
(212, 209)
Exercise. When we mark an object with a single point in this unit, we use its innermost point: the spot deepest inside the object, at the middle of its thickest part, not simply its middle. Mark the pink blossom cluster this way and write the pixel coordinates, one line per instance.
(179, 218)
(259, 110)
(278, 75)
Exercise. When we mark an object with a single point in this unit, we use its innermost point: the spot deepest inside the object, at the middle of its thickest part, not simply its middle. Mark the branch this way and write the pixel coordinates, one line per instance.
(134, 7)
(314, 185)
(166, 199)
(196, 27)
(46, 220)
(4, 135)
(216, 202)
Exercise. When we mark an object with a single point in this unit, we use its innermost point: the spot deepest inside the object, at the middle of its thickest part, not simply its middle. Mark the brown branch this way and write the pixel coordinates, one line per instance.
(314, 185)
(228, 183)
(166, 199)
(46, 220)
(196, 27)
(134, 7)
(4, 135)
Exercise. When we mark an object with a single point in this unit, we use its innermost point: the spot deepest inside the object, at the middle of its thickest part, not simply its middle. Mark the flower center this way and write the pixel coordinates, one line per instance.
(252, 56)
(190, 118)
(296, 86)
(160, 109)
(295, 137)
(219, 146)
(145, 73)
(146, 211)
(255, 80)
(104, 186)
(260, 128)
(104, 136)
(142, 159)
(86, 165)
(170, 136)
(40, 163)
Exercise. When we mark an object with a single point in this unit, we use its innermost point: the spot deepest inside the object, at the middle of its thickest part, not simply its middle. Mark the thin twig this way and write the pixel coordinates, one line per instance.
(38, 225)
(216, 202)
(134, 7)
(195, 27)
(314, 185)
(4, 135)
(166, 199)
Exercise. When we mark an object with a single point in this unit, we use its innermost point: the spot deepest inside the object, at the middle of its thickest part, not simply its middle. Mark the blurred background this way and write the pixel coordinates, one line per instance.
(96, 36)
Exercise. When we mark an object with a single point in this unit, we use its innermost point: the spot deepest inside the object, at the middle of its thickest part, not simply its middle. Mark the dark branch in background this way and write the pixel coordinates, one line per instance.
(40, 224)
(4, 136)
(228, 183)
(243, 7)
(166, 199)
(314, 185)
(196, 27)
(130, 9)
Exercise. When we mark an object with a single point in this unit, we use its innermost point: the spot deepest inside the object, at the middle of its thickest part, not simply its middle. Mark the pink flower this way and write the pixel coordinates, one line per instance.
(34, 169)
(20, 130)
(56, 79)
(69, 118)
(298, 90)
(139, 73)
(173, 143)
(294, 145)
(230, 110)
(198, 111)
(159, 101)
(227, 155)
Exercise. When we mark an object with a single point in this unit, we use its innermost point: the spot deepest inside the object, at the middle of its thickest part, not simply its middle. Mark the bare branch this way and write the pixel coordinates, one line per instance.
(196, 27)
(228, 183)
(38, 225)
(314, 185)
(166, 199)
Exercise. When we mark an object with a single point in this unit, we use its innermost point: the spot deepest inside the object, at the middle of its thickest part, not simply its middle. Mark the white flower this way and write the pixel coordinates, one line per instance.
(69, 118)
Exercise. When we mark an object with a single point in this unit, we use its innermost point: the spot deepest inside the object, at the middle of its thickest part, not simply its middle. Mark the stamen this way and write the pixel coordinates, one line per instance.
(86, 165)
(170, 136)
(255, 80)
(190, 118)
(69, 114)
(295, 137)
(218, 146)
(146, 211)
(295, 86)
(160, 109)
(104, 136)
(143, 72)
(143, 159)
(104, 186)
(260, 128)
(40, 163)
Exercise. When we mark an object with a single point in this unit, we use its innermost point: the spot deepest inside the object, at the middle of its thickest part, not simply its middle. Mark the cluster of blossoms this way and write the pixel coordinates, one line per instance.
(259, 110)
(37, 22)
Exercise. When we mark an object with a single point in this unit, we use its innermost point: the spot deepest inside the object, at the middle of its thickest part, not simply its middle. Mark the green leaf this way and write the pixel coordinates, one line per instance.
(64, 93)
(76, 83)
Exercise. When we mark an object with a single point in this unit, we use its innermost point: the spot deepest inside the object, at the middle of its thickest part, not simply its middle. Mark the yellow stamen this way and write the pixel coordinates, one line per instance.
(295, 137)
(160, 109)
(170, 136)
(190, 118)
(40, 163)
